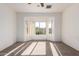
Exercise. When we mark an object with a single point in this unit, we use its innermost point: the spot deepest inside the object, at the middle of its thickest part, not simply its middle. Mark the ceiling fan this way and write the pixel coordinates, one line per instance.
(43, 5)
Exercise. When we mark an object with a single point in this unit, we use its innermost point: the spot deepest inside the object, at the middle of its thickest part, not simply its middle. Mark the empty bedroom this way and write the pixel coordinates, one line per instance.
(39, 29)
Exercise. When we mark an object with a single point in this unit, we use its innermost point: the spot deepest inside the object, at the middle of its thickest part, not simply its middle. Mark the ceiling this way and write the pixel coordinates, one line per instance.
(36, 7)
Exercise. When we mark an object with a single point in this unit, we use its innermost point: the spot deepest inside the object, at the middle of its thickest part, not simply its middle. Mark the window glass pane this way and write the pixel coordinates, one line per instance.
(50, 28)
(42, 25)
(49, 25)
(40, 28)
(36, 24)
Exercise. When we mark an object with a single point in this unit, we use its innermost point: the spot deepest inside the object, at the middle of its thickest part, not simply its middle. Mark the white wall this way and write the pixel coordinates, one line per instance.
(70, 26)
(7, 27)
(20, 24)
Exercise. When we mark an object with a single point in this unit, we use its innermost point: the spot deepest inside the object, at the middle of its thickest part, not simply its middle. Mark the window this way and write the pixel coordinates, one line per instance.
(50, 28)
(40, 28)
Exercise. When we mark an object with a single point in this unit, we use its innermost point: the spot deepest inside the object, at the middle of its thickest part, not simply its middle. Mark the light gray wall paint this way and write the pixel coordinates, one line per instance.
(7, 27)
(20, 24)
(70, 26)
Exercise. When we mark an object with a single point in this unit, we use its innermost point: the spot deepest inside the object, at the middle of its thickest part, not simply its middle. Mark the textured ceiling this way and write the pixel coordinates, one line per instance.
(35, 7)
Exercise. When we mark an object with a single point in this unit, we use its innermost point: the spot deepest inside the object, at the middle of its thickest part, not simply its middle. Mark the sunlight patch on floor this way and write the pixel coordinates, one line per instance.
(53, 50)
(29, 49)
(40, 49)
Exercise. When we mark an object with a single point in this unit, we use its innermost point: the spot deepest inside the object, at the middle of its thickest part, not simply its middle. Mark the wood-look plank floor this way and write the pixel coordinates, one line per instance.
(21, 49)
(65, 50)
(8, 49)
(61, 48)
(48, 49)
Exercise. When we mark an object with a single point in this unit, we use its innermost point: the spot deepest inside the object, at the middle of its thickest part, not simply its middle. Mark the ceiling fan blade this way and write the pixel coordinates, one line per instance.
(48, 6)
(29, 3)
(42, 4)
